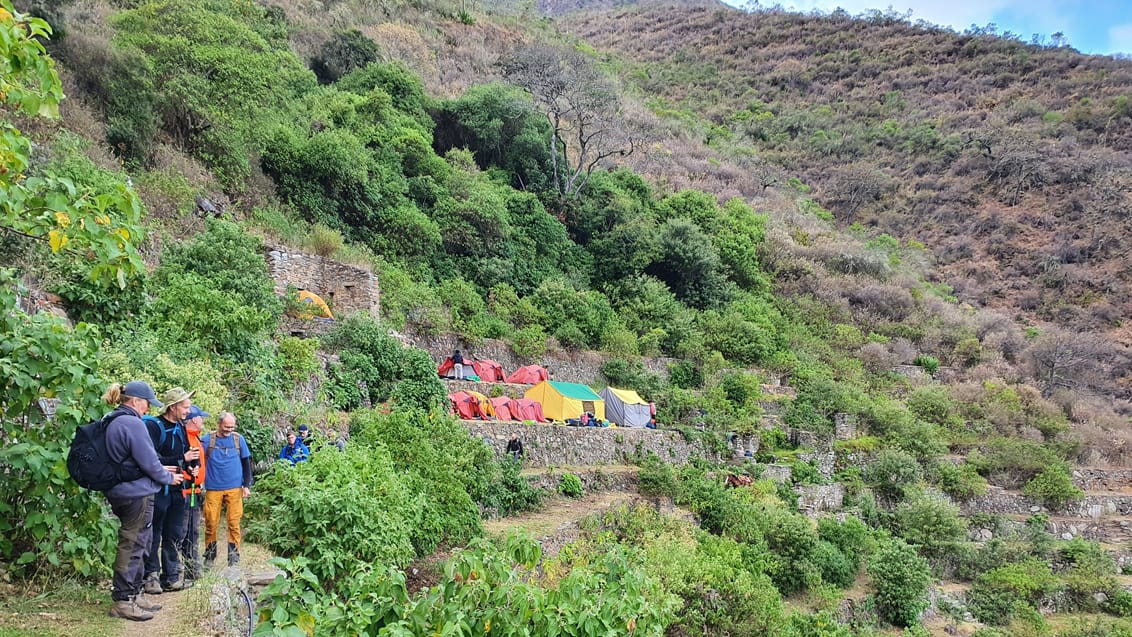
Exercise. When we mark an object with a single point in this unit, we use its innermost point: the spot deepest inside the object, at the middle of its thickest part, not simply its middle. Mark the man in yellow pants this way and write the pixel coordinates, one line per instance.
(227, 481)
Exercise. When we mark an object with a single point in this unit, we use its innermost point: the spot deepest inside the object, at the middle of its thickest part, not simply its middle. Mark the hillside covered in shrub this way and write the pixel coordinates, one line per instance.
(857, 208)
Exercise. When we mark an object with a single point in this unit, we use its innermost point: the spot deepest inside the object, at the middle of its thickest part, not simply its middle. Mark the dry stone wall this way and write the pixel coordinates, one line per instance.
(999, 501)
(347, 289)
(557, 445)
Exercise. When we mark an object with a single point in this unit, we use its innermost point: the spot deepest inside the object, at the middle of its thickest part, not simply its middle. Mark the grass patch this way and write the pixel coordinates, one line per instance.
(66, 609)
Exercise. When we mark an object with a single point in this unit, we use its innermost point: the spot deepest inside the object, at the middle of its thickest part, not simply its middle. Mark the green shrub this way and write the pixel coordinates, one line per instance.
(929, 363)
(529, 342)
(49, 525)
(389, 370)
(656, 477)
(339, 510)
(437, 459)
(214, 293)
(960, 481)
(296, 357)
(341, 54)
(571, 486)
(930, 523)
(994, 594)
(893, 473)
(1054, 487)
(835, 567)
(741, 602)
(511, 493)
(900, 579)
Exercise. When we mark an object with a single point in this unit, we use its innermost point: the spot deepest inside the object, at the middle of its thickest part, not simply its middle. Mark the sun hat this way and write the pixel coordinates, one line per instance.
(175, 395)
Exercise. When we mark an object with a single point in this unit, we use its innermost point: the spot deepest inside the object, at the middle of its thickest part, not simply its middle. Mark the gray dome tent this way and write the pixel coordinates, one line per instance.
(625, 408)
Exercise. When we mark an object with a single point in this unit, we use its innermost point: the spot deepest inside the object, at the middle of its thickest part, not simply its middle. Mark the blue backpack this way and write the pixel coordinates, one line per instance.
(167, 429)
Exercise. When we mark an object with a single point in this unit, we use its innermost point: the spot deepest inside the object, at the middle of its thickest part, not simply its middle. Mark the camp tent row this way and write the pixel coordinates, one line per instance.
(556, 400)
(490, 371)
(471, 405)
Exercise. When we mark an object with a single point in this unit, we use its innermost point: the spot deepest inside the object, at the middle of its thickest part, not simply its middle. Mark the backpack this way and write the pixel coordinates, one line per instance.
(166, 429)
(89, 462)
(212, 445)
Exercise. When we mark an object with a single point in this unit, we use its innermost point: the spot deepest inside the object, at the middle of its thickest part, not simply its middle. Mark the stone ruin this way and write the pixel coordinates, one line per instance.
(347, 289)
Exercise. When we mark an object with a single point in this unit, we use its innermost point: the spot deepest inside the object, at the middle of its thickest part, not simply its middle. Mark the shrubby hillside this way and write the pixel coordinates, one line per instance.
(757, 198)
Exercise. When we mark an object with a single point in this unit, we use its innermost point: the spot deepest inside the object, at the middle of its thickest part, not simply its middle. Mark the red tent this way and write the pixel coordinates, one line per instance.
(445, 368)
(530, 409)
(502, 407)
(530, 375)
(465, 405)
(488, 370)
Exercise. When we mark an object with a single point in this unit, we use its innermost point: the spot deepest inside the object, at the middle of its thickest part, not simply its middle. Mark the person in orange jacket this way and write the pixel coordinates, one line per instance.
(194, 498)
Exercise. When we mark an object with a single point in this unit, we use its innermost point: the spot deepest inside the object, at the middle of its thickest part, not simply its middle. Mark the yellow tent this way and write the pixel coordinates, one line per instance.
(566, 400)
(485, 403)
(313, 305)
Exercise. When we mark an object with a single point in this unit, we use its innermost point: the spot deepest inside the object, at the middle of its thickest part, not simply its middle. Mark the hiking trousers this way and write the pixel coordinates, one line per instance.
(136, 516)
(233, 502)
(190, 546)
(164, 556)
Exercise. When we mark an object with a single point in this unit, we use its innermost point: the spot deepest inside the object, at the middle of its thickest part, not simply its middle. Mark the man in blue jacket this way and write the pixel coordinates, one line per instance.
(129, 447)
(294, 451)
(167, 431)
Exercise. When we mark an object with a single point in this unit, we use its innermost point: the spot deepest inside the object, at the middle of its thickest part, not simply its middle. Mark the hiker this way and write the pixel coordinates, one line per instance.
(227, 480)
(458, 365)
(163, 561)
(294, 451)
(304, 435)
(130, 448)
(515, 448)
(194, 498)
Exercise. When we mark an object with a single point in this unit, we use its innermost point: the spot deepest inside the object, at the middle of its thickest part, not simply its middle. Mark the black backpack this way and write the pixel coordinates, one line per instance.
(89, 463)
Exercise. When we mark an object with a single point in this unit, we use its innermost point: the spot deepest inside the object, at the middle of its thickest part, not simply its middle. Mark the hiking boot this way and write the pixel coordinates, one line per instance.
(127, 609)
(152, 585)
(233, 554)
(173, 587)
(209, 554)
(144, 603)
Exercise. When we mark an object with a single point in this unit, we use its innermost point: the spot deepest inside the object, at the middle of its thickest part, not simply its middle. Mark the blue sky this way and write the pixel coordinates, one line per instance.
(1098, 26)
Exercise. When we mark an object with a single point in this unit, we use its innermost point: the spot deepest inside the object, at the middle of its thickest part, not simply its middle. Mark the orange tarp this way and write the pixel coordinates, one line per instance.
(529, 374)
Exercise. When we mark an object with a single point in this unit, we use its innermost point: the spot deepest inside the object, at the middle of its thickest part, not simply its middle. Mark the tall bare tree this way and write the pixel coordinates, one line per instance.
(583, 109)
(1066, 360)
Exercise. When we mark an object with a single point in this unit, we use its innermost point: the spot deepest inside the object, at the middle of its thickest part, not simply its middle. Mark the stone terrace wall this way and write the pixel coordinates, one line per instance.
(557, 445)
(346, 288)
(997, 500)
(1095, 479)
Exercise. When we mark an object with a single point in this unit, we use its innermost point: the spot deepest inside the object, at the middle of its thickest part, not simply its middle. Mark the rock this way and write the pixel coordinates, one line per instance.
(1067, 536)
(1100, 597)
(985, 535)
(1035, 509)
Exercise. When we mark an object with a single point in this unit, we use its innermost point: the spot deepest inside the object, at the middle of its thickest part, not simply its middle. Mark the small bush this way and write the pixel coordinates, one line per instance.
(571, 486)
(511, 493)
(900, 579)
(929, 363)
(993, 597)
(341, 54)
(1054, 487)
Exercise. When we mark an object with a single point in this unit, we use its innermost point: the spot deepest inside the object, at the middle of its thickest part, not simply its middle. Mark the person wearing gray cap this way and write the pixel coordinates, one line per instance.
(128, 445)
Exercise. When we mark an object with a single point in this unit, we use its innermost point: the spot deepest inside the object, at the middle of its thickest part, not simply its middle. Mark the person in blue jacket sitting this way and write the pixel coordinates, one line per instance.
(294, 451)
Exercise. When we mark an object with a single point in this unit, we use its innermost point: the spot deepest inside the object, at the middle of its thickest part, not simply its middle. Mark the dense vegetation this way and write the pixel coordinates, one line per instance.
(485, 217)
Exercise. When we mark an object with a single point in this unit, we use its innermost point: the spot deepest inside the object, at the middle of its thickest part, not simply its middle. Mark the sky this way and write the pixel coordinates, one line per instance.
(1097, 26)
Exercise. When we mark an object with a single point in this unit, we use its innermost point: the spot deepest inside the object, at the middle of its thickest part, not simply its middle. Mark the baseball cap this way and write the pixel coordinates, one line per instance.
(195, 411)
(141, 389)
(304, 428)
